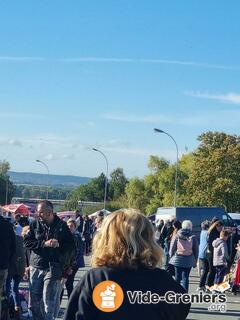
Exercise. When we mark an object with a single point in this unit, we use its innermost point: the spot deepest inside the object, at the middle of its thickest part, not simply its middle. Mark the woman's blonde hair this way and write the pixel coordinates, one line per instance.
(126, 240)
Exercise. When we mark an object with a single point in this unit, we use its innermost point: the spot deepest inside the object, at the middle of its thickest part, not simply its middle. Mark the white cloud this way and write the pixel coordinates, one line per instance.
(231, 97)
(64, 156)
(49, 156)
(11, 142)
(21, 115)
(137, 119)
(20, 59)
(68, 156)
(141, 152)
(118, 60)
(15, 142)
(157, 119)
(90, 123)
(152, 61)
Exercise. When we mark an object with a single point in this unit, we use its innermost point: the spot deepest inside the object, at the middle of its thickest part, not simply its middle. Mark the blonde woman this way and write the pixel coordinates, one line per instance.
(125, 252)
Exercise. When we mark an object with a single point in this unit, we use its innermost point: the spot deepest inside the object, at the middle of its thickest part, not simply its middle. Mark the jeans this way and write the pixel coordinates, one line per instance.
(170, 269)
(44, 294)
(12, 289)
(220, 273)
(182, 275)
(70, 280)
(204, 268)
(211, 272)
(3, 277)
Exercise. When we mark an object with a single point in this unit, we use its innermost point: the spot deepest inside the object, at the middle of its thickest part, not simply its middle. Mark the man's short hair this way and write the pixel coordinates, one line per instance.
(48, 205)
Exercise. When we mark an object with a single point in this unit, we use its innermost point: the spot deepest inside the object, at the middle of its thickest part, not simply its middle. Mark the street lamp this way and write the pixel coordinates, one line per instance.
(44, 164)
(6, 196)
(176, 173)
(106, 179)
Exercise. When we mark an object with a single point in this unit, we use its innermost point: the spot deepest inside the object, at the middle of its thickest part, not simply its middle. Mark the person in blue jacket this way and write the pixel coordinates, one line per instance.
(202, 257)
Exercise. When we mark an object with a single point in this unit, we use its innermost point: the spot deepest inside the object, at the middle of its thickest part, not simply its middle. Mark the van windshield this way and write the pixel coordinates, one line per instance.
(228, 221)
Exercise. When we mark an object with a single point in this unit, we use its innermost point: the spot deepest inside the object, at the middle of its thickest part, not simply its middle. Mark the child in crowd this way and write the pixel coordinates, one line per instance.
(220, 257)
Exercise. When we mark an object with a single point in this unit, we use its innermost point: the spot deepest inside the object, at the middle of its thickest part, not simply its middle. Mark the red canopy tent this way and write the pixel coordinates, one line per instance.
(17, 208)
(65, 215)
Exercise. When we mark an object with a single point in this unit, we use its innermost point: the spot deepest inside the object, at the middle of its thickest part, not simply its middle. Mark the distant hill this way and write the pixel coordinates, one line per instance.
(42, 179)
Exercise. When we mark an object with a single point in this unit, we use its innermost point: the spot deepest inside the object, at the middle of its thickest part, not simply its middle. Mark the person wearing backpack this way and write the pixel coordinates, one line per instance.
(184, 253)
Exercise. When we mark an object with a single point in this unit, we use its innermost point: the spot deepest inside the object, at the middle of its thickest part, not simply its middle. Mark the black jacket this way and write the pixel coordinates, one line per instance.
(42, 257)
(81, 306)
(7, 243)
(18, 263)
(213, 235)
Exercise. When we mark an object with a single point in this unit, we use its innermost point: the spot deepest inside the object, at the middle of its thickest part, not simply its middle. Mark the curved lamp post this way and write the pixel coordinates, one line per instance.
(106, 179)
(44, 164)
(176, 172)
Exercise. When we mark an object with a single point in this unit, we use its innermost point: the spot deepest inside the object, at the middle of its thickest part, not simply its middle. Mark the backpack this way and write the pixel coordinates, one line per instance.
(184, 246)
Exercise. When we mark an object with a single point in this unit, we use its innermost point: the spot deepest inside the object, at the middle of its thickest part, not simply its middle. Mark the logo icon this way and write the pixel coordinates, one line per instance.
(108, 296)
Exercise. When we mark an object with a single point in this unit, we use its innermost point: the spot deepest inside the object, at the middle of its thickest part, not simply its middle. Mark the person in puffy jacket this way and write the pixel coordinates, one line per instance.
(184, 253)
(220, 256)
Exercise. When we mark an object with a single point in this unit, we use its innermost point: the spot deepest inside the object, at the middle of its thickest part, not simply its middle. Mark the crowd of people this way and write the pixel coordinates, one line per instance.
(216, 253)
(125, 248)
(47, 252)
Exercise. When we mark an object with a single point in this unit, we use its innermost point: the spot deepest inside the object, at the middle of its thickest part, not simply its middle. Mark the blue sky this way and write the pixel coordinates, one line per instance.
(81, 74)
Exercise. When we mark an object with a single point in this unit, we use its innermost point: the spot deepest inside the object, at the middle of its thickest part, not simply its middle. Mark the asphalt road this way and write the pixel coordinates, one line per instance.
(198, 311)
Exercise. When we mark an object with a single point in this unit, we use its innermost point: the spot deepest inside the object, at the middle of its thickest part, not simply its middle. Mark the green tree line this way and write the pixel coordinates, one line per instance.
(39, 192)
(209, 176)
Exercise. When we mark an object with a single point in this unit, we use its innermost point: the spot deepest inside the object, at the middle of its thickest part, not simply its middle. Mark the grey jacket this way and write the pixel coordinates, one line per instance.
(183, 261)
(220, 252)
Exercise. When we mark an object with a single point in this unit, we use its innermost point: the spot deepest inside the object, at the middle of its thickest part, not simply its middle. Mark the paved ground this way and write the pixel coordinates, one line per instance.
(197, 311)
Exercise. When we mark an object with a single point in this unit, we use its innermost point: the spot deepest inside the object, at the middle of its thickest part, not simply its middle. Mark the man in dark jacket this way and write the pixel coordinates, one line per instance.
(52, 250)
(7, 250)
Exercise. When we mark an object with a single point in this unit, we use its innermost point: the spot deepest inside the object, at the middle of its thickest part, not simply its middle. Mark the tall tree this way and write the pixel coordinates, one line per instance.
(6, 186)
(92, 191)
(136, 194)
(117, 184)
(216, 175)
